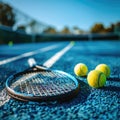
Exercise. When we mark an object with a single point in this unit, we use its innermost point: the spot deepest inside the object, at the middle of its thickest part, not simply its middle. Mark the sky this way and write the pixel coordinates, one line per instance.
(80, 13)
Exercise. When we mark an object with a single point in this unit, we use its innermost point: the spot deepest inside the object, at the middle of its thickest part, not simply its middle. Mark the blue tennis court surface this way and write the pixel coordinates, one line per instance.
(92, 104)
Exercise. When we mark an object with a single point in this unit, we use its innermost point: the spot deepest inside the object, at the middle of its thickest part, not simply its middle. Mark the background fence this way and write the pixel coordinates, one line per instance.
(7, 35)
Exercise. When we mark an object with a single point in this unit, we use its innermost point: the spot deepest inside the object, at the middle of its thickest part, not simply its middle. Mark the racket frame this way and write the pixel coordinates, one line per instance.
(36, 68)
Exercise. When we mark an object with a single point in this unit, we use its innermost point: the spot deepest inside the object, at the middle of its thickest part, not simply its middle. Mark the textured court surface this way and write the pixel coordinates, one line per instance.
(93, 104)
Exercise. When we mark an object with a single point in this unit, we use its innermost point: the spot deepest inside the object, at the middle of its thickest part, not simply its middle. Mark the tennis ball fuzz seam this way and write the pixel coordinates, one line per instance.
(99, 79)
(96, 79)
(104, 68)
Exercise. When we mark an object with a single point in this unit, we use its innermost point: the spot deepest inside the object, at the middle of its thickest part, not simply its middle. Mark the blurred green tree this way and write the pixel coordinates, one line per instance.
(97, 28)
(77, 30)
(50, 30)
(65, 30)
(21, 27)
(7, 16)
(110, 29)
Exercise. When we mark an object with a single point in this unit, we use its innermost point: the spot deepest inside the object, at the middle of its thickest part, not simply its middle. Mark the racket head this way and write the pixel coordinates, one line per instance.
(42, 85)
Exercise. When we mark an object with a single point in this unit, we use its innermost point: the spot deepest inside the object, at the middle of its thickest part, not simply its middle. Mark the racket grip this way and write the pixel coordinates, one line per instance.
(31, 62)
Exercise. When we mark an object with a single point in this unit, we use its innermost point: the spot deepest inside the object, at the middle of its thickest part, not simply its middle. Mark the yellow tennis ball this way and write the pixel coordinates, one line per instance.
(81, 69)
(96, 79)
(104, 68)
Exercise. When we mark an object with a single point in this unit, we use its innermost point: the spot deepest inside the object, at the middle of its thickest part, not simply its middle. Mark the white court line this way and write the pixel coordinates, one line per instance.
(48, 63)
(27, 54)
(57, 56)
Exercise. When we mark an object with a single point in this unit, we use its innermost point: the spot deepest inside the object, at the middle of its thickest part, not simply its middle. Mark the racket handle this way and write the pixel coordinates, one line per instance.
(31, 62)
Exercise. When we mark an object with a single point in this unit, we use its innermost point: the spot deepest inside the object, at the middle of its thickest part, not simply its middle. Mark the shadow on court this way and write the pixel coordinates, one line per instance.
(111, 88)
(114, 79)
(79, 98)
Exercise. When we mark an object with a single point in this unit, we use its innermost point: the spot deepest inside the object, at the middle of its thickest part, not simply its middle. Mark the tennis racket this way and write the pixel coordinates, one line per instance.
(39, 83)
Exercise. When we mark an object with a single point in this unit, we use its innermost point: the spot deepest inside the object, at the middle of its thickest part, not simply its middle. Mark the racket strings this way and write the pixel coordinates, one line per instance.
(46, 83)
